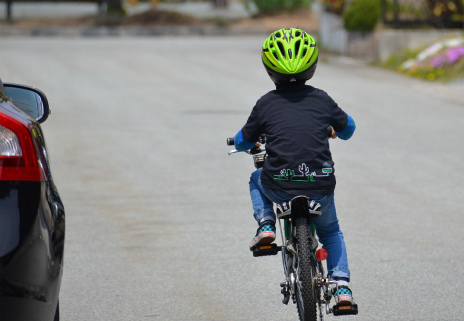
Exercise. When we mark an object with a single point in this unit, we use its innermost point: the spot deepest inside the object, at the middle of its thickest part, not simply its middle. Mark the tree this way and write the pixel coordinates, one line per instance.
(111, 12)
(220, 3)
(446, 12)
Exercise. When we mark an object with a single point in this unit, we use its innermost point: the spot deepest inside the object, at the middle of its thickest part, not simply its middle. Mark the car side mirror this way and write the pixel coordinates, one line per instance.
(30, 100)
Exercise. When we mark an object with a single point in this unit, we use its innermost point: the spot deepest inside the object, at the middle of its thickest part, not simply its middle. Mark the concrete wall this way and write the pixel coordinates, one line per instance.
(335, 38)
(391, 41)
(332, 35)
(378, 45)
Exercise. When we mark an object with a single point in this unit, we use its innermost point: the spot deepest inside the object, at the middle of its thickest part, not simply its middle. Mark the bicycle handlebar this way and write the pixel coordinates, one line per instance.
(231, 142)
(329, 131)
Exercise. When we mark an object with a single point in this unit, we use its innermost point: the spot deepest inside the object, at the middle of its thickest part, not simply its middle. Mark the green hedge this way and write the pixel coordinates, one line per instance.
(362, 15)
(277, 6)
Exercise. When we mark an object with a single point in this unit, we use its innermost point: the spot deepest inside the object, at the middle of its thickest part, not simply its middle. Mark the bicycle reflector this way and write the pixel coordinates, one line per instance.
(18, 151)
(322, 254)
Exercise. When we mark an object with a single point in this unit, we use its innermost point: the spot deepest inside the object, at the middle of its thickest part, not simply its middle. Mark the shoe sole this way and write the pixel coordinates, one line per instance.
(263, 238)
(342, 301)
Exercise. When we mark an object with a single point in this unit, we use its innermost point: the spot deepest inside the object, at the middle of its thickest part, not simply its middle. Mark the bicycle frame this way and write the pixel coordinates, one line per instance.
(321, 284)
(293, 213)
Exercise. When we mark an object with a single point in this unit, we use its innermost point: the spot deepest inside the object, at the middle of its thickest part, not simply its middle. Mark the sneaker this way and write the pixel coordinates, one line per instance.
(343, 296)
(264, 235)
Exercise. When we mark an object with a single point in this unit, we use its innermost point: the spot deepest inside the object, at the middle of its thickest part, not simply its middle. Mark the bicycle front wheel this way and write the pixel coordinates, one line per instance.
(305, 272)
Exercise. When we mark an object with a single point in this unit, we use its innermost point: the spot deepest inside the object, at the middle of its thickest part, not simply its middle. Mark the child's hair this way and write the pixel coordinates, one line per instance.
(290, 55)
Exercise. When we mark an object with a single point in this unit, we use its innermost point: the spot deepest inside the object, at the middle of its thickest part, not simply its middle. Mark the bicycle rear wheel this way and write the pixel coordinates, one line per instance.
(306, 300)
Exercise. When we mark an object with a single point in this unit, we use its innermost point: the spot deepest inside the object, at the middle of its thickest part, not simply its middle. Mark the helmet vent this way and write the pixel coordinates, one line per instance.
(281, 48)
(297, 34)
(278, 35)
(304, 52)
(289, 53)
(275, 55)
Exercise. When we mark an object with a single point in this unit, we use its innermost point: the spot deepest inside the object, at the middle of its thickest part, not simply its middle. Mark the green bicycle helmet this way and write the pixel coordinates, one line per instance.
(290, 55)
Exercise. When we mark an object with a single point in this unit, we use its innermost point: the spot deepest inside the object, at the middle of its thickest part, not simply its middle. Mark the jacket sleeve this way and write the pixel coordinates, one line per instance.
(247, 137)
(349, 129)
(241, 143)
(342, 123)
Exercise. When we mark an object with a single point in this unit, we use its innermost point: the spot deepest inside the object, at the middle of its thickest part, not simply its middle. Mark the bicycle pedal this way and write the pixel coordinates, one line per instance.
(265, 250)
(345, 309)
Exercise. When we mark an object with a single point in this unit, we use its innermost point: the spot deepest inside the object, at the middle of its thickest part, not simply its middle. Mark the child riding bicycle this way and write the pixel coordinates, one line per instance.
(294, 118)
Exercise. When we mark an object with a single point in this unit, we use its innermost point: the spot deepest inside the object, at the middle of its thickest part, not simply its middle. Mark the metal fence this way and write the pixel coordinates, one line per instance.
(423, 13)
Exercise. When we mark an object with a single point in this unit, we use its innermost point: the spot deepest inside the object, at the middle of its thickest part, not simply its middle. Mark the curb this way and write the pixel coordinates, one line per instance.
(131, 31)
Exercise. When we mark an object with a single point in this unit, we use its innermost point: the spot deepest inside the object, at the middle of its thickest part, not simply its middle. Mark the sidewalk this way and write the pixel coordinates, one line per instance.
(31, 19)
(201, 10)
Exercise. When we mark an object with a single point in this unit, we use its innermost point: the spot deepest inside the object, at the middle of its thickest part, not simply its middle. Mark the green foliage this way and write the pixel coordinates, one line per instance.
(444, 74)
(396, 60)
(269, 7)
(405, 10)
(362, 15)
(112, 17)
(424, 13)
(334, 6)
(446, 9)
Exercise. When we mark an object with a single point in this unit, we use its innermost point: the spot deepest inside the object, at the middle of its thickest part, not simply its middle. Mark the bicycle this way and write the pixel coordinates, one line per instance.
(305, 280)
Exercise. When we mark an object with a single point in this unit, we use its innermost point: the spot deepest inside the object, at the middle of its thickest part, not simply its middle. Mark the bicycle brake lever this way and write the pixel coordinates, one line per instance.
(233, 151)
(249, 152)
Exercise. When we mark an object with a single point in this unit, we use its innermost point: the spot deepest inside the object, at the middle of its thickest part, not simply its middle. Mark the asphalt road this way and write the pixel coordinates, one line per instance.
(159, 217)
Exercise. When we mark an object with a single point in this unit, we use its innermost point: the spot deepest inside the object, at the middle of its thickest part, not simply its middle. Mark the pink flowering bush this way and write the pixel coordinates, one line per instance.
(443, 60)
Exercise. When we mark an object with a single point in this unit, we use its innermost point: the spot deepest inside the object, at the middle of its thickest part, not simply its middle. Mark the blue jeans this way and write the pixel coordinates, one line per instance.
(327, 227)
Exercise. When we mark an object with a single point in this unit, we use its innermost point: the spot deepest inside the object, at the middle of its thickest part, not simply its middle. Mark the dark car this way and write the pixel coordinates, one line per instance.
(32, 218)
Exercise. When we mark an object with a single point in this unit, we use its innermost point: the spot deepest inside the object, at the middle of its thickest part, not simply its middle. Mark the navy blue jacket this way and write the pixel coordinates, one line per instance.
(294, 119)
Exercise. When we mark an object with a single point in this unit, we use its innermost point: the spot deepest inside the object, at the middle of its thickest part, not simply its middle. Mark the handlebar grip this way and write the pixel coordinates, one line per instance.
(230, 141)
(329, 131)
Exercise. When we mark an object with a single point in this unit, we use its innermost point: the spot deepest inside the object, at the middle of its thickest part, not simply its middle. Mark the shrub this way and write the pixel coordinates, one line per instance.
(446, 10)
(275, 6)
(362, 15)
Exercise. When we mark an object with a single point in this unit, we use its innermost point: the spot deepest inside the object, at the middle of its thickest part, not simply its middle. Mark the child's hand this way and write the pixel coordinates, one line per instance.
(334, 134)
(258, 144)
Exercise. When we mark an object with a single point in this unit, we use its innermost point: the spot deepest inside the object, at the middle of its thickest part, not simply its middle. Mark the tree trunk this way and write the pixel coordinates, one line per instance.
(112, 13)
(114, 5)
(9, 17)
(220, 3)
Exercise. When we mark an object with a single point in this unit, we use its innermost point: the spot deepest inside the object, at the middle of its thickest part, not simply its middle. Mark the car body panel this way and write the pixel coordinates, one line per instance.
(32, 234)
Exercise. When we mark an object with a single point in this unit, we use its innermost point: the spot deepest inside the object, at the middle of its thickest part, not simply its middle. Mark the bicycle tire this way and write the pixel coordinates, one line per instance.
(305, 292)
(57, 312)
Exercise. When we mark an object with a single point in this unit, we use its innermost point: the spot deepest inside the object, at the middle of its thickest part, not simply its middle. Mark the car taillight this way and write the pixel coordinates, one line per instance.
(18, 156)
